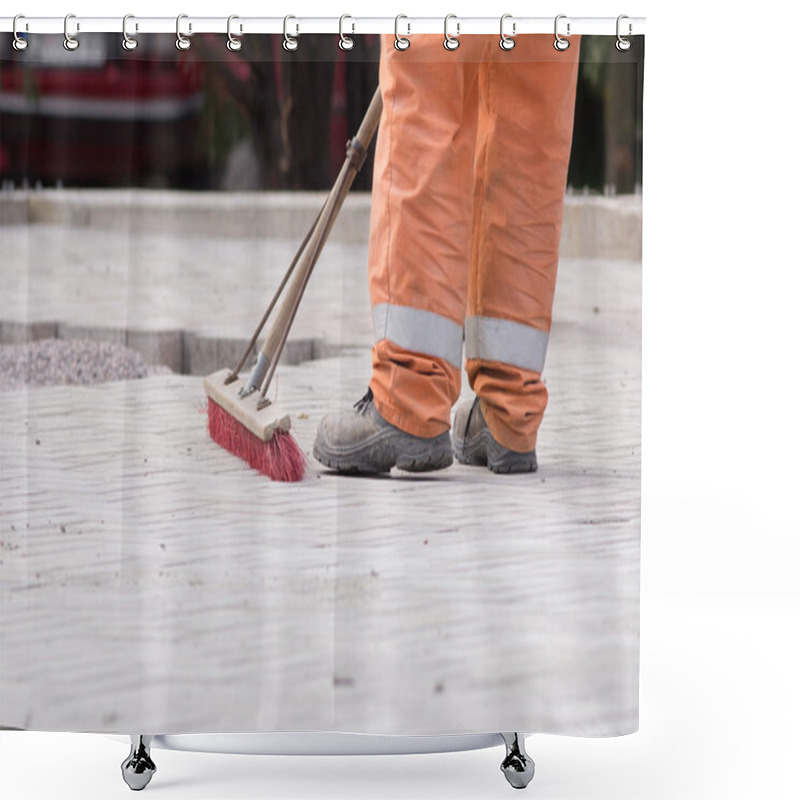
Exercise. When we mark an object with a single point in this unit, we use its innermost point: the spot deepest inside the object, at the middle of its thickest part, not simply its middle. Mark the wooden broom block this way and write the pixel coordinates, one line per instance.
(263, 423)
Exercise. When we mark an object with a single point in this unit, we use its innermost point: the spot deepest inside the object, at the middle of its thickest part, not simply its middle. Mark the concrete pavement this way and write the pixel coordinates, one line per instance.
(152, 582)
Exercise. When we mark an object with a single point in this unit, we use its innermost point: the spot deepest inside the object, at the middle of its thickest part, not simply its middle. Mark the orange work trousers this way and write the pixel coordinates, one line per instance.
(467, 202)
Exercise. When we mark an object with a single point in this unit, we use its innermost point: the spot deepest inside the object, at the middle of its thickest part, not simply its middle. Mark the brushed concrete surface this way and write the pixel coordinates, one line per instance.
(152, 582)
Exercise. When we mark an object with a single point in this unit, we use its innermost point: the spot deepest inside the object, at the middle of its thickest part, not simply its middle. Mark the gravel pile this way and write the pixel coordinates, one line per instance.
(49, 362)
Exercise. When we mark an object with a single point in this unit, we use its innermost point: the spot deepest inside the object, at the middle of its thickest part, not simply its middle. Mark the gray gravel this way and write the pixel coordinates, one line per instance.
(49, 362)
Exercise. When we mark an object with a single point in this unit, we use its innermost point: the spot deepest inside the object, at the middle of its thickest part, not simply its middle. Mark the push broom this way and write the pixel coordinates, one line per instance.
(240, 416)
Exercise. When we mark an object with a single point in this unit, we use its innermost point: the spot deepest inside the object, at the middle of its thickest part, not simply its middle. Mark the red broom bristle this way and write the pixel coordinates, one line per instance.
(280, 459)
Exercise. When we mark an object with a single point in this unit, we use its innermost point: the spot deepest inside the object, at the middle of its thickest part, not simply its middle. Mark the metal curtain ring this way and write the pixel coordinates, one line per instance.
(622, 44)
(289, 42)
(182, 43)
(561, 43)
(70, 42)
(19, 43)
(506, 42)
(234, 43)
(128, 42)
(451, 42)
(400, 42)
(345, 42)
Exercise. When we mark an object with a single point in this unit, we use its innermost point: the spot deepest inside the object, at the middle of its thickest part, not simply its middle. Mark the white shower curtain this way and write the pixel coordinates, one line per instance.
(152, 582)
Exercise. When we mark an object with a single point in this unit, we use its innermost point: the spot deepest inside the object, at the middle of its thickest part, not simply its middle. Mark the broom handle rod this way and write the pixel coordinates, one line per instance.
(356, 152)
(252, 343)
(284, 334)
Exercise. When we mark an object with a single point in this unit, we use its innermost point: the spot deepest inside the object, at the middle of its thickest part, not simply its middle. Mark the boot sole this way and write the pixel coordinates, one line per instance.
(420, 457)
(484, 451)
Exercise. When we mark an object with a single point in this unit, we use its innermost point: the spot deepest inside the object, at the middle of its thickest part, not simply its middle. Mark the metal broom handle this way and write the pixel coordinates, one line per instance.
(356, 153)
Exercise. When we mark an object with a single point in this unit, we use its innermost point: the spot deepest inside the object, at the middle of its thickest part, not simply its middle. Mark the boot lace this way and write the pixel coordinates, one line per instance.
(364, 403)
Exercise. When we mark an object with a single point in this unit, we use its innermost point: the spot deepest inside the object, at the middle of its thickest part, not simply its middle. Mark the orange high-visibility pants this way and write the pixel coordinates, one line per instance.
(467, 201)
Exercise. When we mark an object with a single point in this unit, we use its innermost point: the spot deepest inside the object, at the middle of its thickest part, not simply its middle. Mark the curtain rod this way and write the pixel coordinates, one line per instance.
(347, 25)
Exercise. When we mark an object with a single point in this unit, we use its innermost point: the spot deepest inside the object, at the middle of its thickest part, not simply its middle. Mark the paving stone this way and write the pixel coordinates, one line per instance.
(229, 215)
(92, 334)
(158, 347)
(227, 353)
(298, 350)
(13, 208)
(21, 332)
(594, 226)
(200, 355)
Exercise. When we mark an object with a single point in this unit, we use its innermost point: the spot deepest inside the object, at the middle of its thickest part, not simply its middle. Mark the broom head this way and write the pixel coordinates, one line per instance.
(260, 437)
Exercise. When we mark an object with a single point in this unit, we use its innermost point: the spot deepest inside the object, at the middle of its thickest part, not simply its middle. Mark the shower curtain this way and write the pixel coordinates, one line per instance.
(151, 201)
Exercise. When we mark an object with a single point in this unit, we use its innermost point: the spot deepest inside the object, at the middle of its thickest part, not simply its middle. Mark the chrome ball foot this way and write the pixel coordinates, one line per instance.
(138, 768)
(517, 766)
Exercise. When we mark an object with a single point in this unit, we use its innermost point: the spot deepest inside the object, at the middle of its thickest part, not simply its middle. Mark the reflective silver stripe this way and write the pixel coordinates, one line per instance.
(494, 339)
(419, 331)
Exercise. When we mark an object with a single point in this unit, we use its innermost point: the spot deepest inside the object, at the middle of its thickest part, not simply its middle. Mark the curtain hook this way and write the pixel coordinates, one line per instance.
(345, 42)
(451, 42)
(561, 43)
(128, 42)
(234, 44)
(289, 42)
(506, 42)
(400, 42)
(19, 43)
(182, 43)
(70, 42)
(623, 44)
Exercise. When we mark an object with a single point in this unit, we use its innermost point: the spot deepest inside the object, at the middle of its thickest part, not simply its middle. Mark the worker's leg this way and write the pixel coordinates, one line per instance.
(522, 154)
(420, 229)
(418, 261)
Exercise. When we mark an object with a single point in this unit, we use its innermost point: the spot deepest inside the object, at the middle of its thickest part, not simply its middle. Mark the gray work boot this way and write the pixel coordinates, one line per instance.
(363, 441)
(474, 444)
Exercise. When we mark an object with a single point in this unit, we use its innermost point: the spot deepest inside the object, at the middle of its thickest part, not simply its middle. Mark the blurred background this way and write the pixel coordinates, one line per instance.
(259, 119)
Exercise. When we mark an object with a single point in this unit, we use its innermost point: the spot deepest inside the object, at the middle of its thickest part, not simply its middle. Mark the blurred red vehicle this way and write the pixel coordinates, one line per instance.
(101, 116)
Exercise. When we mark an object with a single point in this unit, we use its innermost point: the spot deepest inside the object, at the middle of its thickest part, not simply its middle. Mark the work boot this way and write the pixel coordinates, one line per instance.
(363, 441)
(474, 444)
